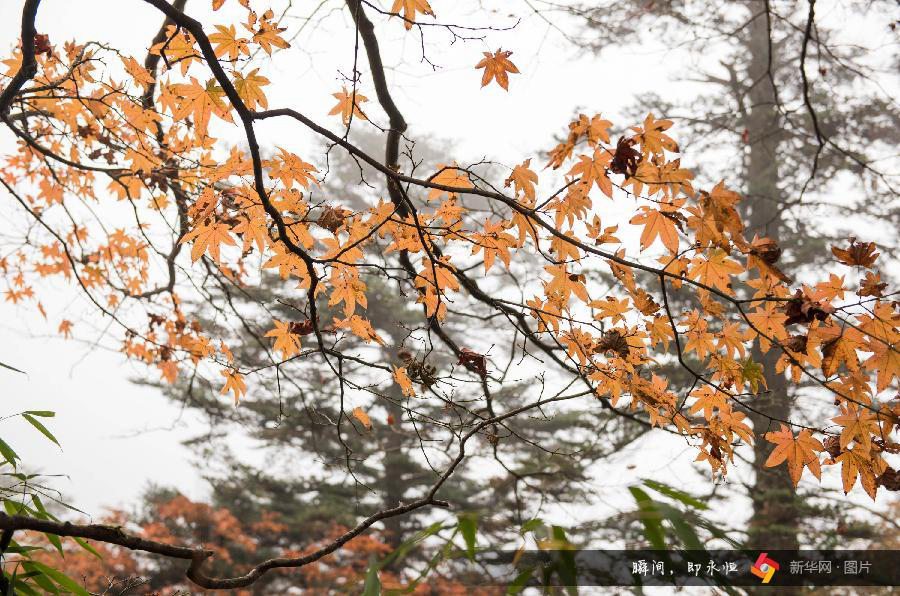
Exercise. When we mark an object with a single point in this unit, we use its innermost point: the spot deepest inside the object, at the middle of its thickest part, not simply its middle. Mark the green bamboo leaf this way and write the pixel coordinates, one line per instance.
(683, 529)
(468, 527)
(651, 517)
(520, 582)
(8, 453)
(531, 525)
(41, 428)
(86, 546)
(678, 495)
(373, 583)
(61, 579)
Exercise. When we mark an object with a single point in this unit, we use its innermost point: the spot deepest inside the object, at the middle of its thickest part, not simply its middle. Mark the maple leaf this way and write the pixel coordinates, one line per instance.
(359, 327)
(859, 463)
(410, 8)
(886, 362)
(347, 288)
(473, 361)
(716, 270)
(657, 224)
(227, 43)
(137, 72)
(593, 171)
(524, 179)
(402, 378)
(207, 238)
(652, 138)
(169, 371)
(871, 285)
(752, 374)
(347, 107)
(449, 175)
(249, 88)
(268, 35)
(289, 168)
(495, 241)
(859, 424)
(799, 452)
(286, 341)
(660, 331)
(763, 254)
(611, 308)
(178, 48)
(363, 418)
(830, 290)
(234, 382)
(65, 327)
(708, 400)
(839, 346)
(496, 66)
(858, 254)
(769, 324)
(564, 284)
(200, 102)
(42, 44)
(626, 159)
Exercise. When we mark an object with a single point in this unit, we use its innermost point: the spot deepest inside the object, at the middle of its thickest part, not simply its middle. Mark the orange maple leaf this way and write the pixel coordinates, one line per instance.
(227, 43)
(65, 327)
(249, 88)
(799, 452)
(716, 270)
(449, 175)
(348, 105)
(496, 66)
(860, 463)
(286, 342)
(410, 8)
(208, 238)
(234, 382)
(524, 179)
(402, 378)
(656, 225)
(361, 415)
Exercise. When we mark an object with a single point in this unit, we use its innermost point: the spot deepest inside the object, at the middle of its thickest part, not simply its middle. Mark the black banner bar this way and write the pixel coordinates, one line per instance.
(693, 567)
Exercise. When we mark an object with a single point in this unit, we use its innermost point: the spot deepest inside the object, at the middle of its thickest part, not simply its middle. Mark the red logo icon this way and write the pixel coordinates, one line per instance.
(764, 568)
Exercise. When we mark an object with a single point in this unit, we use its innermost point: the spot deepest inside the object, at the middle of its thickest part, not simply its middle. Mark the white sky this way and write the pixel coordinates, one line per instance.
(117, 436)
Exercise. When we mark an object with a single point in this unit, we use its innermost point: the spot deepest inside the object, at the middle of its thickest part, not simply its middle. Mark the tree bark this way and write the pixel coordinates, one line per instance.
(775, 520)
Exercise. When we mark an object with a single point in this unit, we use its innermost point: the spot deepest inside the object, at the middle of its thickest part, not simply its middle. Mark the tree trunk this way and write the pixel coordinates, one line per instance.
(775, 520)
